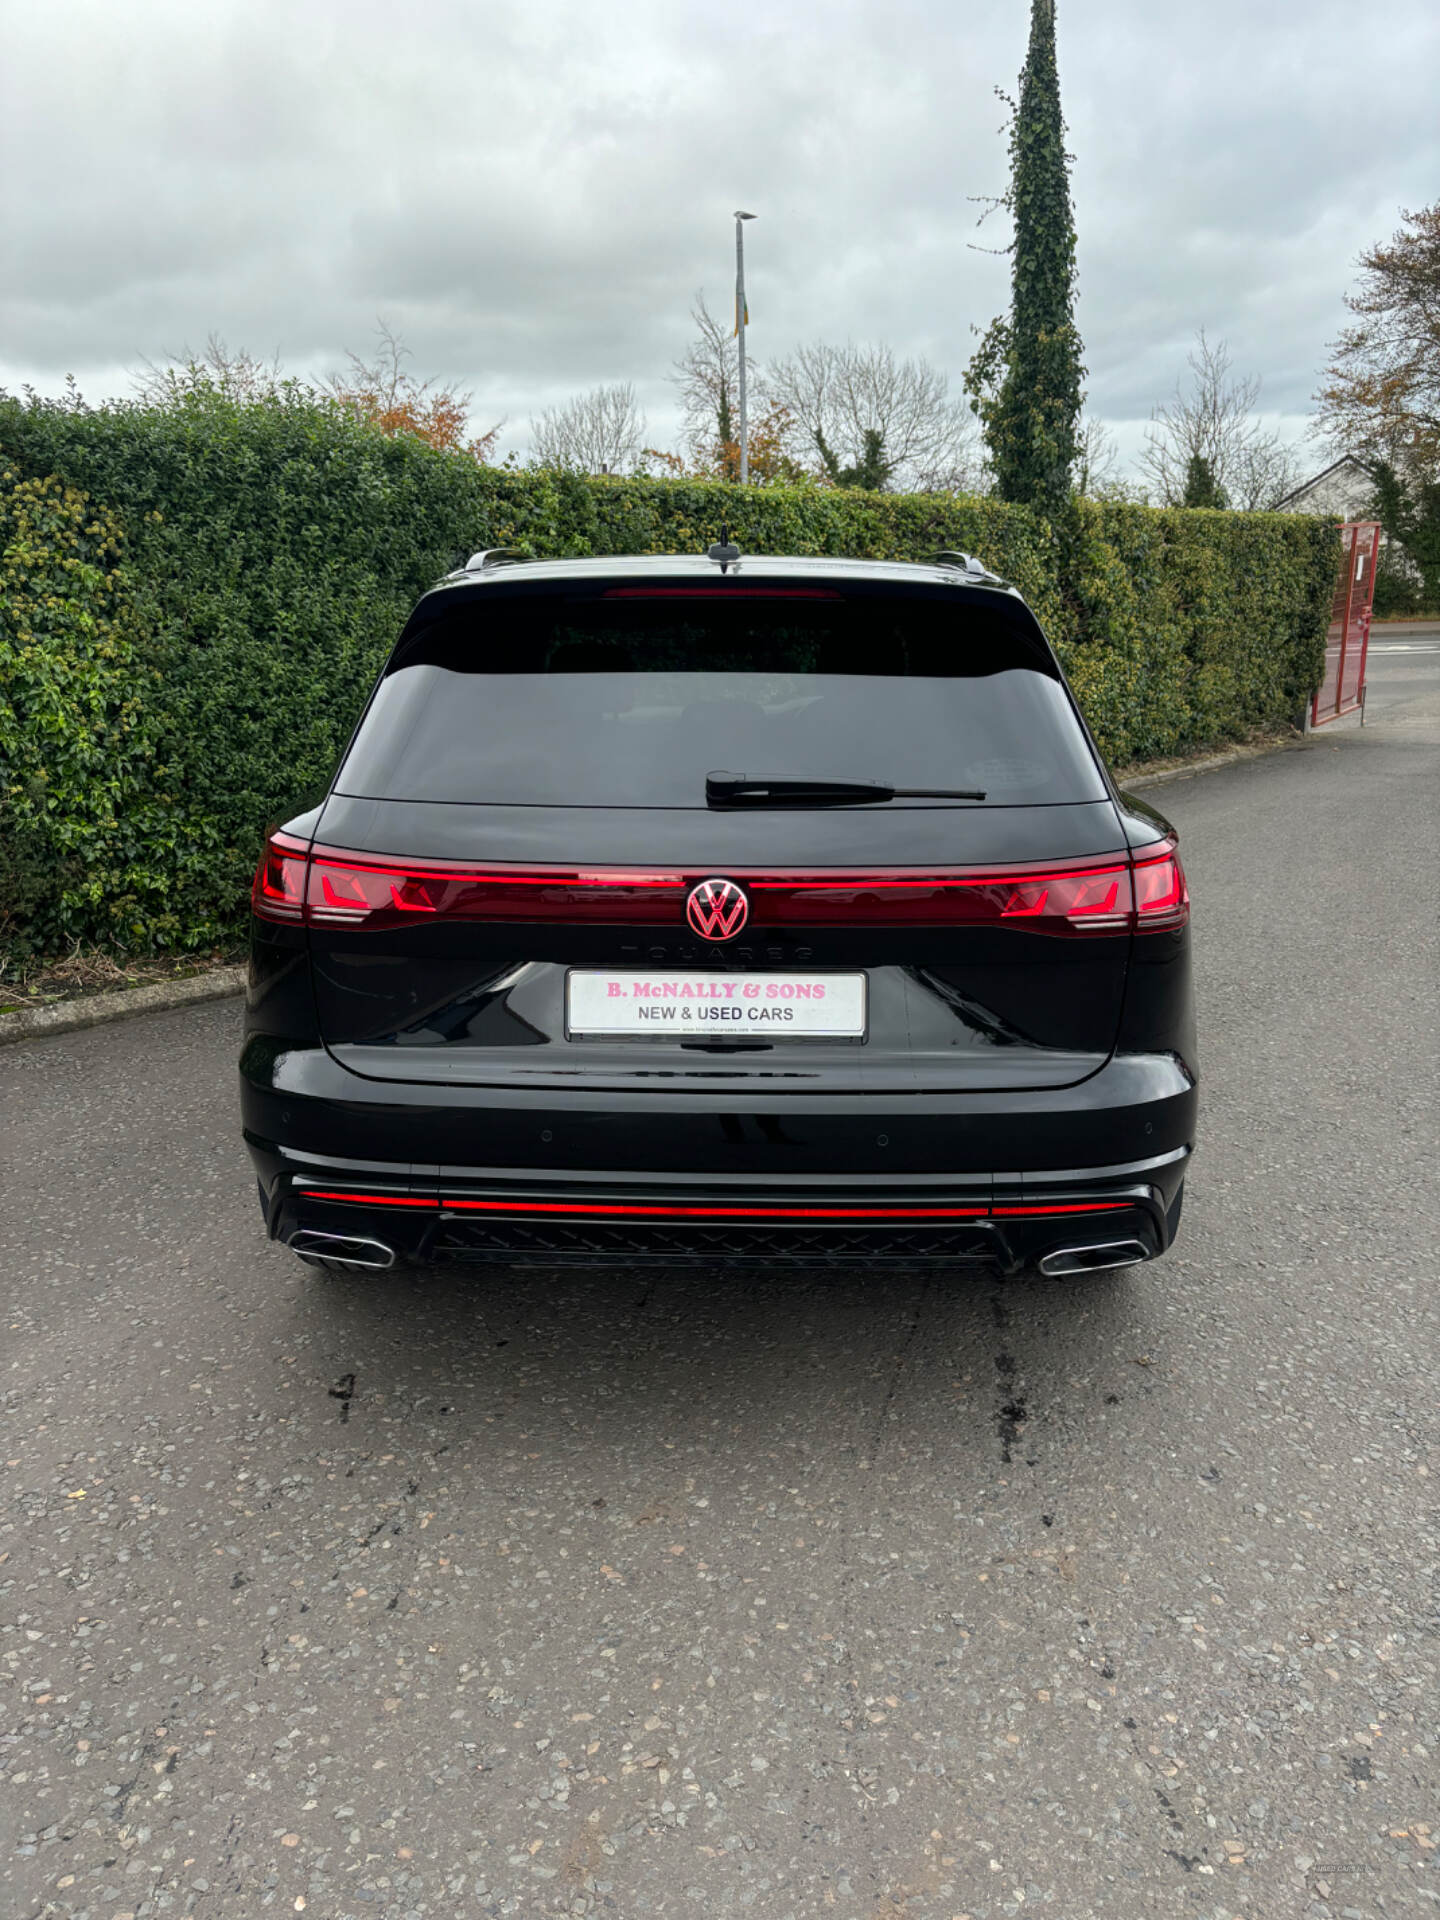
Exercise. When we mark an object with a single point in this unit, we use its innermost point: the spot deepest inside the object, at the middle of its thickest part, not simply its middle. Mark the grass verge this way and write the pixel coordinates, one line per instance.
(87, 971)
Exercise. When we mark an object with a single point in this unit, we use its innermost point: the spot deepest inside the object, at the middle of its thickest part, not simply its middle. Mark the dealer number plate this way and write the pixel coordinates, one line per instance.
(658, 1004)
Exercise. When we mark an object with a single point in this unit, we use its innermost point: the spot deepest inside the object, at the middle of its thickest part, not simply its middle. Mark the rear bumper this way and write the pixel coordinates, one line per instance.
(628, 1225)
(996, 1180)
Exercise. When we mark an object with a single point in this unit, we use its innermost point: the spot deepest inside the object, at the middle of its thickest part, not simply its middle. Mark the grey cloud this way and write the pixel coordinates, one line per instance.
(532, 196)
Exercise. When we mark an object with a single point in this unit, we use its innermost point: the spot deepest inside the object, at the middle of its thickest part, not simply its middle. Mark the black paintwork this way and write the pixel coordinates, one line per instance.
(998, 1062)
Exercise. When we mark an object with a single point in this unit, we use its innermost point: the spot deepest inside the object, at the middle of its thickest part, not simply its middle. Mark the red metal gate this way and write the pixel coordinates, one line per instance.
(1348, 642)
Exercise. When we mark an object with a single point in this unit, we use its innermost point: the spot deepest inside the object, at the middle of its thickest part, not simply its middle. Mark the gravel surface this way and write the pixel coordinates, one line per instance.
(702, 1594)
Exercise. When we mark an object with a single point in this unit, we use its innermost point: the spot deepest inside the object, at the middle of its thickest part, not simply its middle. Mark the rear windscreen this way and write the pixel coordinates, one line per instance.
(629, 701)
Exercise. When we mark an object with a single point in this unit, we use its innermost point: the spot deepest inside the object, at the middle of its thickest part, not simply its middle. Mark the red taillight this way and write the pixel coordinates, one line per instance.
(326, 886)
(278, 891)
(1161, 897)
(346, 892)
(1080, 898)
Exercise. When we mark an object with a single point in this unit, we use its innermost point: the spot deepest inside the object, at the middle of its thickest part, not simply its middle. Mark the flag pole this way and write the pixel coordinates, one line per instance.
(741, 320)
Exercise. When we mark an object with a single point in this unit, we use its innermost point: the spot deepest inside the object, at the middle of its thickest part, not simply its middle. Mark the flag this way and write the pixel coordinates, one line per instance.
(742, 310)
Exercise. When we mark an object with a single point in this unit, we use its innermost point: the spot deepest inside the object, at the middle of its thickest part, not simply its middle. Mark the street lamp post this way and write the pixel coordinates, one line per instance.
(741, 318)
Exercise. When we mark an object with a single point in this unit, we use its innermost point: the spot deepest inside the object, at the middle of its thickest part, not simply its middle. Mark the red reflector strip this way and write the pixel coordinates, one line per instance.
(630, 1211)
(638, 1210)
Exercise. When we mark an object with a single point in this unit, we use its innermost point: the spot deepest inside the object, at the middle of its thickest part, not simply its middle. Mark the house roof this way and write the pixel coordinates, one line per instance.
(1335, 466)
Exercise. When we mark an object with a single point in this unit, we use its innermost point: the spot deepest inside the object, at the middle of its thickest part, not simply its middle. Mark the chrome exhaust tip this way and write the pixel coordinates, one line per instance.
(1094, 1259)
(345, 1249)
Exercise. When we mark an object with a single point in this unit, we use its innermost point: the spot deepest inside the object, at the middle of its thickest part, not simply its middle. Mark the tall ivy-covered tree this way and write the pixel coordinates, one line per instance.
(1025, 379)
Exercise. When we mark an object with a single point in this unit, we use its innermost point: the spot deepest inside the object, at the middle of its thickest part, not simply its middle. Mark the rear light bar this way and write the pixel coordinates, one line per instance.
(1077, 898)
(640, 1210)
(328, 887)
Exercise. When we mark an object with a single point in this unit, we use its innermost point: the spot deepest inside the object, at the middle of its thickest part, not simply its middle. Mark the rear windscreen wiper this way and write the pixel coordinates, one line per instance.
(739, 790)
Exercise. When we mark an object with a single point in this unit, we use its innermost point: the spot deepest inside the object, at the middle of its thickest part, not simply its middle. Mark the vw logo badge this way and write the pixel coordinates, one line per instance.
(717, 909)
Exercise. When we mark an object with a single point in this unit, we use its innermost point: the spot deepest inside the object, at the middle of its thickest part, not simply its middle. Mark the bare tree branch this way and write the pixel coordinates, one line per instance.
(237, 374)
(598, 432)
(706, 378)
(1212, 418)
(380, 392)
(384, 394)
(1097, 459)
(1266, 468)
(839, 395)
(385, 377)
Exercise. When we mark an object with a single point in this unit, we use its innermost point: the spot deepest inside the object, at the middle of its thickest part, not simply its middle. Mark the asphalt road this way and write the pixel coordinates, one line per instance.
(700, 1594)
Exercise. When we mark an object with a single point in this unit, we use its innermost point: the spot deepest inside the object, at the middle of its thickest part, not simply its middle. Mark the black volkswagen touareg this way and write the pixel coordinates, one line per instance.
(722, 909)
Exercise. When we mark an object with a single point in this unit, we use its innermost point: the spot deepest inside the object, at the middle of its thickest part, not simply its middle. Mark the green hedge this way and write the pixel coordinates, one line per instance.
(87, 807)
(273, 549)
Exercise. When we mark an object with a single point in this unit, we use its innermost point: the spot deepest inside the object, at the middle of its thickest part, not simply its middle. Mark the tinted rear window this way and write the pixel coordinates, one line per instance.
(630, 702)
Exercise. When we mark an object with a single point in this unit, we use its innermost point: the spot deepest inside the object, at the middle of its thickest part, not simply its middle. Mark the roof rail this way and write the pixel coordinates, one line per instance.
(490, 557)
(966, 563)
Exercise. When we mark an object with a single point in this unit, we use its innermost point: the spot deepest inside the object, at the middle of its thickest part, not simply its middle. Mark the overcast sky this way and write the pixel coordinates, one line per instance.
(531, 194)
